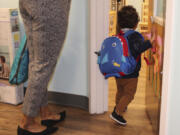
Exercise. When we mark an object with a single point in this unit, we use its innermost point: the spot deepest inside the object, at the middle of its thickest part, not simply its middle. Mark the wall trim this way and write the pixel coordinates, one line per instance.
(68, 100)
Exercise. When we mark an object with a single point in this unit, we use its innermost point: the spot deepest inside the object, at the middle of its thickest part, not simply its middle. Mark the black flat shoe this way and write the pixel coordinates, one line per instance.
(47, 131)
(50, 123)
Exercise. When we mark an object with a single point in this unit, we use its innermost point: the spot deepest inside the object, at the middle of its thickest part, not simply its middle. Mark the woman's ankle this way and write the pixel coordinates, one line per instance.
(30, 124)
(26, 121)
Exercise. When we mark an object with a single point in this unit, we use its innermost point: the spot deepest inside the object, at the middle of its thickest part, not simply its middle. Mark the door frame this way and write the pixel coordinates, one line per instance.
(99, 29)
(166, 67)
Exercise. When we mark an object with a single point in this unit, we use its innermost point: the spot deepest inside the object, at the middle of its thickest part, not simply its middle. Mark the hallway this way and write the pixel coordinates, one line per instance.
(136, 117)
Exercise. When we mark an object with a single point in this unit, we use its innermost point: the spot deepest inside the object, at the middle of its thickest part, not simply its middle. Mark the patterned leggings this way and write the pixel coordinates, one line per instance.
(46, 24)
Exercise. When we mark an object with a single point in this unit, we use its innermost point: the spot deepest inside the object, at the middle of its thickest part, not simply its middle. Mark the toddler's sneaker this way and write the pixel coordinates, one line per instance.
(118, 118)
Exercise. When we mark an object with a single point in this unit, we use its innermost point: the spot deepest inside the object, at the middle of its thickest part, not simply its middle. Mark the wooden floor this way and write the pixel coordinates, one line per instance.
(79, 122)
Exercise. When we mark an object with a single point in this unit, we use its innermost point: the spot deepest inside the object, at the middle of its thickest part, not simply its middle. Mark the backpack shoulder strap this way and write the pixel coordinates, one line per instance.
(124, 44)
(131, 32)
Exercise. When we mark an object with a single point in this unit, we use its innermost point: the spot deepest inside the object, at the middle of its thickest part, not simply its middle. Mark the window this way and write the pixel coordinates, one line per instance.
(161, 5)
(159, 11)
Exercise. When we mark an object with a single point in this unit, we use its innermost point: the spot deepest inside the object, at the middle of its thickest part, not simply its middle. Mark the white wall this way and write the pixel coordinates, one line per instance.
(170, 109)
(71, 72)
(174, 90)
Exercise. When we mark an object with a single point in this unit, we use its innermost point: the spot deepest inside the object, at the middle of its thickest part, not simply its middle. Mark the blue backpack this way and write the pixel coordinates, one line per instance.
(19, 69)
(115, 58)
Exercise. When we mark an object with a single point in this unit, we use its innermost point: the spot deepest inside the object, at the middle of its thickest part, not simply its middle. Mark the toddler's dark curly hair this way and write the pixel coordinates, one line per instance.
(127, 17)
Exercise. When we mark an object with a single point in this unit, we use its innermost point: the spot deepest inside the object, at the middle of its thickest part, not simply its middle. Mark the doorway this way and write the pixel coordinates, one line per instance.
(150, 76)
(147, 102)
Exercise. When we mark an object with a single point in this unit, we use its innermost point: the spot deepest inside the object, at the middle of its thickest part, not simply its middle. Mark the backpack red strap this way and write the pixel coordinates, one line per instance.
(124, 44)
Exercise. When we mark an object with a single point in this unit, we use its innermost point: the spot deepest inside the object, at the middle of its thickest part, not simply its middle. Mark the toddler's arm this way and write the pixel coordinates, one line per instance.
(138, 45)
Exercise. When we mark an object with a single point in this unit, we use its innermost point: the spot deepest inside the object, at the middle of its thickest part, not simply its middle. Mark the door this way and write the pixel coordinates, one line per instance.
(155, 65)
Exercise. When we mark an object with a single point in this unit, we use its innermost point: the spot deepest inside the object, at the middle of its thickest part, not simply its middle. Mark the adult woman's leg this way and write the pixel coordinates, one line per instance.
(48, 20)
(28, 122)
(60, 26)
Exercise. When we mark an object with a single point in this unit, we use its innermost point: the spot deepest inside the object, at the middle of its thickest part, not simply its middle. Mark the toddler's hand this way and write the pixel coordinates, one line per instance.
(146, 35)
(153, 35)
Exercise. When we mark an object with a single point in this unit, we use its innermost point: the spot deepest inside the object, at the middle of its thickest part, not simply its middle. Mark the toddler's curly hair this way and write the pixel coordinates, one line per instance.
(127, 17)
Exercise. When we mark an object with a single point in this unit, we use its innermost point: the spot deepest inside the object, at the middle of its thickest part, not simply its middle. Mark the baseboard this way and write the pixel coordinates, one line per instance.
(69, 100)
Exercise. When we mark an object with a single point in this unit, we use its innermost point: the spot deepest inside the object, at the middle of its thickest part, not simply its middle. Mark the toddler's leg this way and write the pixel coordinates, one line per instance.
(129, 89)
(120, 90)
